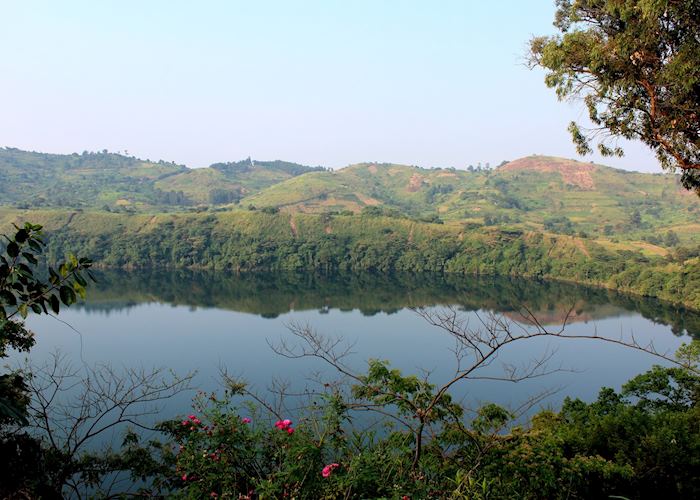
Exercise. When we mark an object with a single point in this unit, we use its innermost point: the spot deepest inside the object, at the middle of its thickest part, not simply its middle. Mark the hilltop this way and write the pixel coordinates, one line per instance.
(651, 212)
(534, 193)
(114, 181)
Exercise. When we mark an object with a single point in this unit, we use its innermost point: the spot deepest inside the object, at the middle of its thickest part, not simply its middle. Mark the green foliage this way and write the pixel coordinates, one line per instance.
(636, 66)
(29, 179)
(617, 446)
(559, 224)
(255, 241)
(22, 457)
(21, 292)
(523, 193)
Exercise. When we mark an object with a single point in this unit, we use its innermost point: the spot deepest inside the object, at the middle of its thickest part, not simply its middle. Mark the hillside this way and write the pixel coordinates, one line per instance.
(113, 181)
(533, 193)
(242, 240)
(617, 208)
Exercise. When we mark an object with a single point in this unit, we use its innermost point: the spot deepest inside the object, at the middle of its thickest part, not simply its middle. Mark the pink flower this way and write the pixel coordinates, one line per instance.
(192, 417)
(283, 425)
(213, 494)
(246, 420)
(185, 422)
(328, 469)
(184, 477)
(290, 430)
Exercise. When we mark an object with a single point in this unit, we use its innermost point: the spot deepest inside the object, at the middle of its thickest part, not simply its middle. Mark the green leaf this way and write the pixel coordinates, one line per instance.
(7, 297)
(80, 280)
(30, 257)
(67, 295)
(12, 249)
(55, 304)
(36, 308)
(21, 236)
(23, 310)
(80, 290)
(54, 278)
(35, 245)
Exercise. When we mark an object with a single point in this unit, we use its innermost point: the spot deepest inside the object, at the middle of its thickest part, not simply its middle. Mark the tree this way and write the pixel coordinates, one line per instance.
(20, 292)
(50, 416)
(636, 65)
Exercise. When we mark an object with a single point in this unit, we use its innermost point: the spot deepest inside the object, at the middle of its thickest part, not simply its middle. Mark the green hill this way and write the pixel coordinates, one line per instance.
(77, 180)
(243, 240)
(533, 193)
(622, 210)
(117, 182)
(223, 183)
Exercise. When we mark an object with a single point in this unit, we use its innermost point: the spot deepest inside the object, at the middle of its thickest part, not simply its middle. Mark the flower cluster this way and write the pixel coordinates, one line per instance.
(285, 425)
(328, 469)
(192, 422)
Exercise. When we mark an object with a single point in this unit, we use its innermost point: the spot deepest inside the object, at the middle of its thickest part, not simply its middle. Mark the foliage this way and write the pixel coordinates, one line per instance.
(21, 291)
(116, 181)
(617, 445)
(636, 65)
(254, 241)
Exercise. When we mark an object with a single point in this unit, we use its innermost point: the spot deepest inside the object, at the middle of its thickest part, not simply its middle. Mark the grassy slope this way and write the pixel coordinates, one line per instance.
(599, 201)
(87, 179)
(522, 194)
(97, 179)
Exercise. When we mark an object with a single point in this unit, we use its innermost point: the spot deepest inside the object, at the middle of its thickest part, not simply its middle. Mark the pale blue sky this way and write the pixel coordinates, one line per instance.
(431, 83)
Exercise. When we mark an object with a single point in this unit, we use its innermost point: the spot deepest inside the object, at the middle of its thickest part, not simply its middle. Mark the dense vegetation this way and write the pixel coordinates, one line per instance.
(256, 241)
(635, 64)
(642, 442)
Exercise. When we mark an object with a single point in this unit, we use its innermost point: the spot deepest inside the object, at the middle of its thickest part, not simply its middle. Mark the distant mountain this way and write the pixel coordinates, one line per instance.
(223, 183)
(115, 181)
(536, 192)
(88, 179)
(540, 193)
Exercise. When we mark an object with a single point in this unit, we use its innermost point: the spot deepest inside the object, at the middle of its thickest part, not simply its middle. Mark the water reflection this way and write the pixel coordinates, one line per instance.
(272, 295)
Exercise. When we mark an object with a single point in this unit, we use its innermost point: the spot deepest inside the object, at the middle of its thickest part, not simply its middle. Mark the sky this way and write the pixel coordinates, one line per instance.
(332, 82)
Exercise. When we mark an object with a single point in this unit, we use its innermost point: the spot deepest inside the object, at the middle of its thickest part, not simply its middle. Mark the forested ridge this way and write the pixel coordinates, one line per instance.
(241, 241)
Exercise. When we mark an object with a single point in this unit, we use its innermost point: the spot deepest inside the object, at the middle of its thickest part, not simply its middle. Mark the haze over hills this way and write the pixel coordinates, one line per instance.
(111, 180)
(535, 193)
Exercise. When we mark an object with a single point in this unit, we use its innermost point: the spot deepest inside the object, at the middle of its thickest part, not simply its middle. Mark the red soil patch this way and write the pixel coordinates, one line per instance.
(415, 183)
(572, 172)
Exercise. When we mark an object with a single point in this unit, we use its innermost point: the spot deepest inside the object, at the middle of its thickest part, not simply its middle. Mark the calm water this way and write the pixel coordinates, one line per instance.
(197, 321)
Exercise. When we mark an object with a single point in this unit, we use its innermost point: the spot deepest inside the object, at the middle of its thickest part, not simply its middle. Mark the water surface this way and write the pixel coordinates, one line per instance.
(208, 321)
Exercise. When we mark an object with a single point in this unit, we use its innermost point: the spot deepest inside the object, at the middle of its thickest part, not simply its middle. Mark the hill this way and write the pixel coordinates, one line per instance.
(242, 240)
(533, 193)
(623, 210)
(117, 182)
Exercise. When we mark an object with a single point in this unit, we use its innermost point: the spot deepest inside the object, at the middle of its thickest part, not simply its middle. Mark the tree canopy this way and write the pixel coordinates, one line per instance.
(636, 65)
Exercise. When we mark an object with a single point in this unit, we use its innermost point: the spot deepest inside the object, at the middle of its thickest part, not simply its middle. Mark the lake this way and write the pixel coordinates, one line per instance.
(200, 321)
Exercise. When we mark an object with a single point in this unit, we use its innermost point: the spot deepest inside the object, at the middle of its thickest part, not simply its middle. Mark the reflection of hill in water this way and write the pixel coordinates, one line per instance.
(270, 295)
